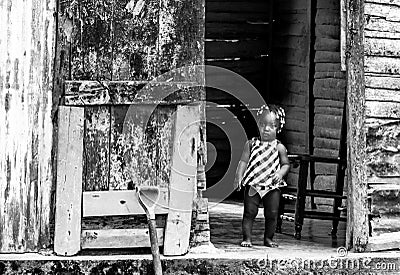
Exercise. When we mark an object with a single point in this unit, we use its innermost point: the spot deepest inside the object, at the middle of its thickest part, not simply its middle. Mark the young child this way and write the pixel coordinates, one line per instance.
(262, 167)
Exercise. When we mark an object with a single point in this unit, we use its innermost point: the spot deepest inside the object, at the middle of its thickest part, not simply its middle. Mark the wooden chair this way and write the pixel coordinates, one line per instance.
(300, 193)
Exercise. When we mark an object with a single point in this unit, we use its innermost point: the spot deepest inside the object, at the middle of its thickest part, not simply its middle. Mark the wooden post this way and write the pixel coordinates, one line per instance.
(357, 211)
(69, 181)
(182, 180)
(27, 34)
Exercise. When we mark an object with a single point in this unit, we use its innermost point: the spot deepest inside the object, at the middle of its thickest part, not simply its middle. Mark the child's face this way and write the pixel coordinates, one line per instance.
(267, 125)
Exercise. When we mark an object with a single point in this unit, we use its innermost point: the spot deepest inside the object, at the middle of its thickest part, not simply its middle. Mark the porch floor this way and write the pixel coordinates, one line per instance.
(226, 234)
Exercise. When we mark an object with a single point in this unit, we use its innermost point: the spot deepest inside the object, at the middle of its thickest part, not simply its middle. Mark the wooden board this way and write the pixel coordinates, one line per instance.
(113, 203)
(119, 238)
(96, 165)
(69, 181)
(133, 147)
(182, 180)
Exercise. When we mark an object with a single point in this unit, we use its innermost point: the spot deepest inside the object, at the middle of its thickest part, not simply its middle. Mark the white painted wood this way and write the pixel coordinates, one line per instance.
(119, 238)
(182, 180)
(124, 202)
(386, 65)
(69, 181)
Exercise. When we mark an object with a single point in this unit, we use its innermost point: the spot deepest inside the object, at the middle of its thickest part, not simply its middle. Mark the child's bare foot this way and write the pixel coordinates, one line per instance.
(246, 244)
(270, 243)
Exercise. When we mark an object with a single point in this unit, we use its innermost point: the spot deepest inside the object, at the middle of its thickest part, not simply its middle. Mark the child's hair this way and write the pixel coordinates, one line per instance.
(278, 111)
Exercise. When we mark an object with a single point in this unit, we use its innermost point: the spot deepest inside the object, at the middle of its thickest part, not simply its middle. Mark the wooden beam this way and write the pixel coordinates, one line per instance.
(118, 238)
(83, 93)
(69, 181)
(182, 180)
(110, 203)
(357, 212)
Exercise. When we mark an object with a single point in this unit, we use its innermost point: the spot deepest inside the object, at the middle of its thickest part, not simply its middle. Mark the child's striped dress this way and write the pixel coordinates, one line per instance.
(263, 163)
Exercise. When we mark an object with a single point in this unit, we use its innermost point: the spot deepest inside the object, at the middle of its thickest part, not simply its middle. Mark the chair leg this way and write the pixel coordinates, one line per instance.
(301, 198)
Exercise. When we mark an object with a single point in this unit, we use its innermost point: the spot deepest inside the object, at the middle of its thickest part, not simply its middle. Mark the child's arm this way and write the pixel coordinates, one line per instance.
(242, 166)
(284, 162)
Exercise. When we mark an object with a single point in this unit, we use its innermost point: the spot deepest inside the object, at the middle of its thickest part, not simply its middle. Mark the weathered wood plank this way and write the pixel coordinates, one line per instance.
(328, 121)
(386, 65)
(327, 57)
(329, 67)
(385, 224)
(330, 83)
(329, 93)
(135, 34)
(165, 125)
(182, 180)
(27, 47)
(327, 31)
(130, 92)
(96, 153)
(327, 44)
(329, 103)
(133, 146)
(326, 132)
(382, 47)
(383, 95)
(328, 4)
(384, 2)
(382, 81)
(91, 53)
(69, 181)
(387, 11)
(383, 148)
(328, 111)
(112, 203)
(119, 238)
(181, 37)
(120, 222)
(382, 27)
(327, 17)
(326, 143)
(384, 242)
(385, 202)
(378, 109)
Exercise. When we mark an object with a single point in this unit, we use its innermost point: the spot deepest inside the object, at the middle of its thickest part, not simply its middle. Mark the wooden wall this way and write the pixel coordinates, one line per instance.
(328, 94)
(382, 84)
(27, 39)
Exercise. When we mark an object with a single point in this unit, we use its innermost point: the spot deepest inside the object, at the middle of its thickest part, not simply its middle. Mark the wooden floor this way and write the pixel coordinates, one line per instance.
(225, 223)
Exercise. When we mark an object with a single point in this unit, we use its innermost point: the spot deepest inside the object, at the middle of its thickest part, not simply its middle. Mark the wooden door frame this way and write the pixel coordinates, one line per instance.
(357, 231)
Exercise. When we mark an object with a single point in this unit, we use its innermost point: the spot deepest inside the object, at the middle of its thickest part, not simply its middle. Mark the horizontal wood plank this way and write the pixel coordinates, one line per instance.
(83, 93)
(382, 81)
(384, 242)
(119, 238)
(112, 203)
(382, 47)
(383, 110)
(387, 11)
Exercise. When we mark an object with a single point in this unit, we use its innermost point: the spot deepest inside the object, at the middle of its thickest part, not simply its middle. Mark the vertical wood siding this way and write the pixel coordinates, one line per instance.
(27, 37)
(382, 81)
